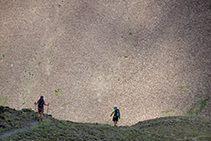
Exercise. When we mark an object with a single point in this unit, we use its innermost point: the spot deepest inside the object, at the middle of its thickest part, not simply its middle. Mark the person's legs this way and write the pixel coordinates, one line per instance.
(115, 123)
(42, 114)
(38, 114)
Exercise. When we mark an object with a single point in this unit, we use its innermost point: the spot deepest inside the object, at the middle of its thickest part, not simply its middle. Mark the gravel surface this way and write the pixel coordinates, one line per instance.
(150, 58)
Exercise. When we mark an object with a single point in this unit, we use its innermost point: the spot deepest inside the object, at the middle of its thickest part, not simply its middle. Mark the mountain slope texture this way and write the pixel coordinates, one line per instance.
(151, 58)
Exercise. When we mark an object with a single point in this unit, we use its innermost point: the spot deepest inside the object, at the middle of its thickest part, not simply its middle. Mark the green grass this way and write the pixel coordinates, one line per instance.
(181, 88)
(24, 94)
(174, 128)
(3, 101)
(39, 63)
(3, 57)
(167, 113)
(197, 107)
(64, 104)
(57, 92)
(184, 89)
(7, 114)
(187, 86)
(130, 33)
(59, 5)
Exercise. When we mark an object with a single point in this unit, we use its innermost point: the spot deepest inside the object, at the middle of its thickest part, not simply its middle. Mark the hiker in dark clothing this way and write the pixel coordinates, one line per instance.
(116, 116)
(41, 103)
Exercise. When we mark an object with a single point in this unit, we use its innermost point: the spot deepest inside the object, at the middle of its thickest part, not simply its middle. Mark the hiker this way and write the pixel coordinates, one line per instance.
(116, 116)
(41, 103)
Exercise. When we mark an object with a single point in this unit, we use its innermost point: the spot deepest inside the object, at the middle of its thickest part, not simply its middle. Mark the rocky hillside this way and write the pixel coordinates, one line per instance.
(22, 124)
(150, 58)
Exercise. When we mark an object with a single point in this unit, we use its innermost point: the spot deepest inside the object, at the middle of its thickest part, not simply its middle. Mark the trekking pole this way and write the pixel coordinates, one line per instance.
(34, 110)
(47, 110)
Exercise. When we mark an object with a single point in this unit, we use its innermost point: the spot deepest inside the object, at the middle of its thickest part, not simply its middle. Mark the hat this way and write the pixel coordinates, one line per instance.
(115, 107)
(41, 97)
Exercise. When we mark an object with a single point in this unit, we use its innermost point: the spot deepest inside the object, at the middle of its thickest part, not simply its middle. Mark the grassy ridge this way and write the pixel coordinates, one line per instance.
(66, 130)
(167, 128)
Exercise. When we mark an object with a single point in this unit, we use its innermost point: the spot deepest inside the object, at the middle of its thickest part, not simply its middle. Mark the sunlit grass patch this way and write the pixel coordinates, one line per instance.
(57, 92)
(64, 104)
(3, 56)
(197, 107)
(3, 101)
(167, 113)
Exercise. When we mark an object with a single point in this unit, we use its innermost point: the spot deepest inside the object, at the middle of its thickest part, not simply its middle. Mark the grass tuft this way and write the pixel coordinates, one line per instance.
(57, 92)
(3, 101)
(197, 107)
(64, 104)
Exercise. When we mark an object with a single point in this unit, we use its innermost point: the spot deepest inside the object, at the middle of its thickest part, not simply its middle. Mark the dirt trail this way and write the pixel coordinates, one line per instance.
(28, 127)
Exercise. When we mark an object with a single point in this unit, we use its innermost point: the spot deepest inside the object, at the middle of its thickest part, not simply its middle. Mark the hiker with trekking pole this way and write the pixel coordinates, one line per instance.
(41, 103)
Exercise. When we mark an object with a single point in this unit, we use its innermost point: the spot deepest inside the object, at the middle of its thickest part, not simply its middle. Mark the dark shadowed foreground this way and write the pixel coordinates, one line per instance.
(17, 125)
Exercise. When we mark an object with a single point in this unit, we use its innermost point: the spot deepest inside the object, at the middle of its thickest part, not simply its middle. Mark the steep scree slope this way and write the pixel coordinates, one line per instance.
(151, 58)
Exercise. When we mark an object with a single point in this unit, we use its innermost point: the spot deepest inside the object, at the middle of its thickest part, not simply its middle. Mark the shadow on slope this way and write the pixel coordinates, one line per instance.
(168, 128)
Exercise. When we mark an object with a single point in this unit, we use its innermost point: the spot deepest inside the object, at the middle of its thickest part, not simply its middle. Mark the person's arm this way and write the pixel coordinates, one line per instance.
(112, 113)
(46, 104)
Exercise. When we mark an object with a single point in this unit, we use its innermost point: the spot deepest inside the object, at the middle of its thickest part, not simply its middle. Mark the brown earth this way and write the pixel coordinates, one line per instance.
(147, 57)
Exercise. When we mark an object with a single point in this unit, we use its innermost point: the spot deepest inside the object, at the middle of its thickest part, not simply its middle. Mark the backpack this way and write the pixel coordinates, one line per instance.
(41, 103)
(117, 113)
